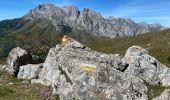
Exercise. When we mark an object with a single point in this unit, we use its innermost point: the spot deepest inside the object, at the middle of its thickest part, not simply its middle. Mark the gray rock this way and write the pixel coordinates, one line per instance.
(74, 71)
(164, 96)
(2, 67)
(81, 73)
(16, 58)
(90, 21)
(29, 71)
(146, 67)
(10, 83)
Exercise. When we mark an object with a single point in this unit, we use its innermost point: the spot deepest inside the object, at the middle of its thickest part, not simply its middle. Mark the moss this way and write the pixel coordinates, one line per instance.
(154, 90)
(57, 97)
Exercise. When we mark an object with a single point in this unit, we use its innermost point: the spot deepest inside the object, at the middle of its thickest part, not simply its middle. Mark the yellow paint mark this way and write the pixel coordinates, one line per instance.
(88, 69)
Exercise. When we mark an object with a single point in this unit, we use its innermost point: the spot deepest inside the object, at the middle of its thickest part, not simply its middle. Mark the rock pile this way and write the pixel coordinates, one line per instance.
(77, 72)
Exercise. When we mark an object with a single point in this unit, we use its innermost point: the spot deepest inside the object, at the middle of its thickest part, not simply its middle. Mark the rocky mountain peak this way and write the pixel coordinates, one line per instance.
(90, 21)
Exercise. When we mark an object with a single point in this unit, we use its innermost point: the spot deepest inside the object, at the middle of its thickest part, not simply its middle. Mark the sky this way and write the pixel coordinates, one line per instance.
(150, 11)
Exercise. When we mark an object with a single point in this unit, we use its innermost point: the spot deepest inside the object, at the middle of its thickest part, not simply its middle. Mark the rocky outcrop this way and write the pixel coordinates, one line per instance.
(146, 67)
(29, 71)
(81, 73)
(71, 18)
(2, 67)
(19, 57)
(127, 27)
(16, 58)
(164, 96)
(74, 71)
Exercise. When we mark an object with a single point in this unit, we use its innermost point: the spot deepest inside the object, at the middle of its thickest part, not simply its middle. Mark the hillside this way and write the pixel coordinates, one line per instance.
(157, 43)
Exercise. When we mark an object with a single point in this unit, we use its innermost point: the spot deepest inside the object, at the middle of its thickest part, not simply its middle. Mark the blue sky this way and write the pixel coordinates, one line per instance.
(150, 11)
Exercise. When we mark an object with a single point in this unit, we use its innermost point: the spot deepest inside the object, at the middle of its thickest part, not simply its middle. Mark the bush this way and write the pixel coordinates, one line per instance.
(168, 59)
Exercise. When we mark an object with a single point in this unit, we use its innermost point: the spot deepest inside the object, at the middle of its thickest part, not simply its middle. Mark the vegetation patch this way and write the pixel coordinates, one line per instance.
(157, 43)
(20, 90)
(154, 90)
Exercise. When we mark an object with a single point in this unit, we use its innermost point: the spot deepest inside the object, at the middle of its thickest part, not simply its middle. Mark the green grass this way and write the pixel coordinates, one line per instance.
(19, 90)
(154, 90)
(3, 60)
(157, 43)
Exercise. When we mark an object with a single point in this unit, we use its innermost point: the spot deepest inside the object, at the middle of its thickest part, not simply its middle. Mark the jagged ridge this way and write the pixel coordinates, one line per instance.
(90, 21)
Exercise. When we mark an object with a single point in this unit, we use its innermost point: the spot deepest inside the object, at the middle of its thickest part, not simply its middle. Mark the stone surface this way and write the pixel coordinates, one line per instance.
(1, 67)
(16, 58)
(81, 73)
(29, 71)
(74, 71)
(164, 96)
(90, 21)
(142, 65)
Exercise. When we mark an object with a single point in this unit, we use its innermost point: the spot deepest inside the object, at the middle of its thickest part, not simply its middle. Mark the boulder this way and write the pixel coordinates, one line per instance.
(29, 71)
(2, 67)
(81, 73)
(144, 66)
(16, 58)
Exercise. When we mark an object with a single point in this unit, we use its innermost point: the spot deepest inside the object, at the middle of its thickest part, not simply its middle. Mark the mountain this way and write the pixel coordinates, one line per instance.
(90, 21)
(43, 27)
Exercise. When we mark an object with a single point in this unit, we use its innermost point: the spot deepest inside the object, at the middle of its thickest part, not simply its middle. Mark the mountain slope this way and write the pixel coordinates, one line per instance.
(157, 43)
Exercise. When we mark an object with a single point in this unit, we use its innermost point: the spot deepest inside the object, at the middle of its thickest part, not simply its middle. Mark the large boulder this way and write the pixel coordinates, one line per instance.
(16, 58)
(29, 71)
(77, 72)
(144, 66)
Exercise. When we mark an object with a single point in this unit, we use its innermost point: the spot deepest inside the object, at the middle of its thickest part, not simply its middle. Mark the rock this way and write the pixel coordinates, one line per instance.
(29, 71)
(2, 67)
(146, 67)
(74, 71)
(164, 96)
(36, 59)
(67, 41)
(16, 58)
(90, 21)
(72, 13)
(81, 73)
(10, 83)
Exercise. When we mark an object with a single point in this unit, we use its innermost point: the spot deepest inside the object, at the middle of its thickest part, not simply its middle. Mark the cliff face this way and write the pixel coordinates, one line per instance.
(77, 72)
(90, 21)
